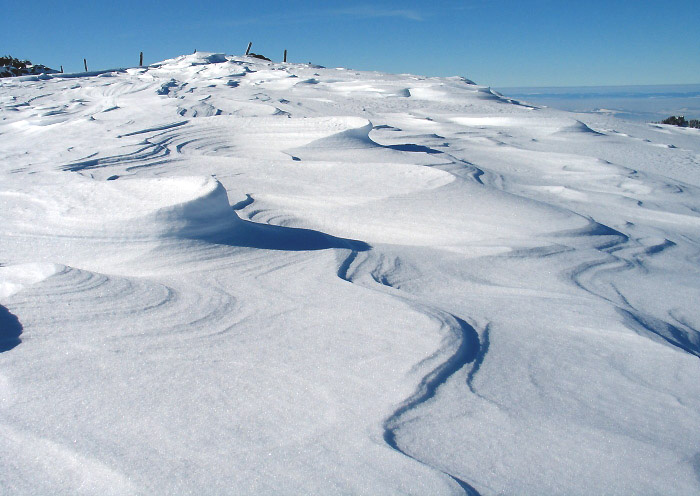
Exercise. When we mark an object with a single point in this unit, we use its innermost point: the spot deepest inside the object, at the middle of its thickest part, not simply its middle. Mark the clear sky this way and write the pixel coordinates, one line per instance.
(497, 43)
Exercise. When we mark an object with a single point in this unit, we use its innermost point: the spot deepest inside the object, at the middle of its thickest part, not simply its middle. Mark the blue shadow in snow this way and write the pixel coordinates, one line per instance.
(243, 203)
(10, 329)
(687, 340)
(410, 147)
(268, 237)
(469, 351)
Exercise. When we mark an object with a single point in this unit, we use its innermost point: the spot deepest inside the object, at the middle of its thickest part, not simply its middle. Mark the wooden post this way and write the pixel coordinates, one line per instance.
(141, 60)
(250, 44)
(85, 63)
(285, 55)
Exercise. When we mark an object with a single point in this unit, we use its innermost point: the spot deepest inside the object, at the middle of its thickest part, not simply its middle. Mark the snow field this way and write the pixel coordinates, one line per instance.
(223, 275)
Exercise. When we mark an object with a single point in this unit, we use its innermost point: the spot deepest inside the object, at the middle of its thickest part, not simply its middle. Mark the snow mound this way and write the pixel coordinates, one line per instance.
(264, 136)
(197, 58)
(354, 133)
(126, 209)
(530, 123)
(577, 127)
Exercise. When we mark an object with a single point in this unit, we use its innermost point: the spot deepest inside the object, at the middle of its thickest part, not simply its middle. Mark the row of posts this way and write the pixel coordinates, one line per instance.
(247, 52)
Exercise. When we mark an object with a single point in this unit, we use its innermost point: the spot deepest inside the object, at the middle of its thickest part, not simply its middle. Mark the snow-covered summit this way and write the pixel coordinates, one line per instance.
(220, 274)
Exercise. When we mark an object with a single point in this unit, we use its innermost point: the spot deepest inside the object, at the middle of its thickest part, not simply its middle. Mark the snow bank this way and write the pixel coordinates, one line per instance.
(194, 59)
(121, 210)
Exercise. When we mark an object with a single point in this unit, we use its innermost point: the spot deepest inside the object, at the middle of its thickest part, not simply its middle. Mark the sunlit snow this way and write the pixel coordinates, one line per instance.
(220, 275)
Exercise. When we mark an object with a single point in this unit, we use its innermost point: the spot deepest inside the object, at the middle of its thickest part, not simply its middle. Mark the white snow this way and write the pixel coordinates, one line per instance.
(220, 275)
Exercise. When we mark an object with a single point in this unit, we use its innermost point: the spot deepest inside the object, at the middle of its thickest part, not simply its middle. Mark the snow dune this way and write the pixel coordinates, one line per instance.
(120, 210)
(225, 275)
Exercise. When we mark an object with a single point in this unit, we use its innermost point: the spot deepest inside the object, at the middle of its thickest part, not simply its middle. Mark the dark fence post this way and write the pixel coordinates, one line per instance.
(141, 60)
(285, 55)
(250, 44)
(85, 63)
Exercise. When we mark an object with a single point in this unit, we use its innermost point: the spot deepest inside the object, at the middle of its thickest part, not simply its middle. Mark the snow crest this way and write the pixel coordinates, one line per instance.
(124, 209)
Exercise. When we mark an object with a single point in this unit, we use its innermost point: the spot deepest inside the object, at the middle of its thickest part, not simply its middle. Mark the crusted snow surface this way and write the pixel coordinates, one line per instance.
(220, 275)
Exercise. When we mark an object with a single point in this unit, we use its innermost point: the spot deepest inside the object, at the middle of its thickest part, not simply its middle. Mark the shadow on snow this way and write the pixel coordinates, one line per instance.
(469, 351)
(269, 237)
(10, 329)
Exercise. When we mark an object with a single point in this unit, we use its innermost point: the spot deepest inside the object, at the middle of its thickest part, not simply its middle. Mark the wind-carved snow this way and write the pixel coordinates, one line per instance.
(120, 210)
(220, 274)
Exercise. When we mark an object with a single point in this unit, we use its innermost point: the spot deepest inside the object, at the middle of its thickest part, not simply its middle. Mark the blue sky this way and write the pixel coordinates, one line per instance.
(498, 43)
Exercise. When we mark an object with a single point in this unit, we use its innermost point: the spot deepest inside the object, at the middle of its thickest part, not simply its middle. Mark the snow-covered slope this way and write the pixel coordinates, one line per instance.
(221, 275)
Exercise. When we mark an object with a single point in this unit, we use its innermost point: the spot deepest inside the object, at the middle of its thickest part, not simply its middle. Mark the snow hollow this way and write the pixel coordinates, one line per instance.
(221, 275)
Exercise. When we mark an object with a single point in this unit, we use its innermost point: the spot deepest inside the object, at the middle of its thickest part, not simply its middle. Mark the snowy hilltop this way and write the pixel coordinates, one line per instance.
(223, 275)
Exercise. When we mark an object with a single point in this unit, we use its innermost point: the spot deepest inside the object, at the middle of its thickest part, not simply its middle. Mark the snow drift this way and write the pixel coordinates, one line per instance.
(122, 210)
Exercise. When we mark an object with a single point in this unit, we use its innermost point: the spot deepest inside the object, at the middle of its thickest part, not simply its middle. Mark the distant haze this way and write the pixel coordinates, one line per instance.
(644, 103)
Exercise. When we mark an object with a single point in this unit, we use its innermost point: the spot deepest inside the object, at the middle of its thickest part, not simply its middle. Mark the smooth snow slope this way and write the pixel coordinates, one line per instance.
(226, 276)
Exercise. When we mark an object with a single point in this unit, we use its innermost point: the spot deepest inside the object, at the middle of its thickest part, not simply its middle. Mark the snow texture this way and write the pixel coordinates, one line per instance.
(221, 275)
